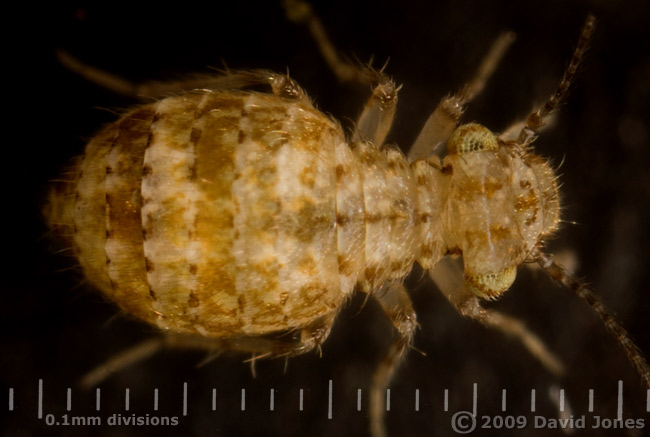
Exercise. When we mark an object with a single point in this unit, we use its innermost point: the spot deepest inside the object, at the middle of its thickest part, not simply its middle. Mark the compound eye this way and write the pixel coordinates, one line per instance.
(472, 137)
(491, 286)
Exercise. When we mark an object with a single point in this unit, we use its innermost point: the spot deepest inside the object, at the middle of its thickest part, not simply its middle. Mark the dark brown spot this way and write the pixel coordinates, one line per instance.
(426, 251)
(149, 265)
(342, 220)
(144, 234)
(147, 170)
(108, 260)
(241, 137)
(193, 301)
(108, 234)
(109, 169)
(373, 218)
(340, 172)
(525, 184)
(152, 294)
(307, 177)
(195, 134)
(370, 273)
(193, 269)
(448, 169)
(241, 302)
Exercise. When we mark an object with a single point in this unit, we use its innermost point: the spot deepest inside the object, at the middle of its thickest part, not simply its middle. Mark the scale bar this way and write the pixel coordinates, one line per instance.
(98, 395)
(358, 399)
(647, 400)
(272, 400)
(155, 399)
(329, 400)
(243, 399)
(387, 399)
(532, 401)
(474, 399)
(11, 399)
(417, 399)
(503, 400)
(591, 400)
(40, 399)
(68, 399)
(301, 399)
(126, 400)
(214, 399)
(185, 399)
(446, 407)
(562, 400)
(619, 407)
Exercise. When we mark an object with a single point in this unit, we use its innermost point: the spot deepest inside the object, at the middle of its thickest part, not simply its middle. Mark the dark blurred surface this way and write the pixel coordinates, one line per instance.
(56, 328)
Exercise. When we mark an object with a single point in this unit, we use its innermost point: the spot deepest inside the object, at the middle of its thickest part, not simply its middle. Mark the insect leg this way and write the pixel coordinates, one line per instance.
(397, 305)
(378, 113)
(442, 122)
(299, 11)
(377, 116)
(448, 277)
(311, 336)
(281, 84)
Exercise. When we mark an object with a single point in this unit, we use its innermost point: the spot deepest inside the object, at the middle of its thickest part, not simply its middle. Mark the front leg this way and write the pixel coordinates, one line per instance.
(444, 119)
(448, 276)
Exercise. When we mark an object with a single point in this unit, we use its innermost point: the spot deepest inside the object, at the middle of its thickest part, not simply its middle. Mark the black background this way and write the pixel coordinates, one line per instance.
(54, 327)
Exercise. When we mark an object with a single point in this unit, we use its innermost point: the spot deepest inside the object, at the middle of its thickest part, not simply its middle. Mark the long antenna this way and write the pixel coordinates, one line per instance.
(563, 277)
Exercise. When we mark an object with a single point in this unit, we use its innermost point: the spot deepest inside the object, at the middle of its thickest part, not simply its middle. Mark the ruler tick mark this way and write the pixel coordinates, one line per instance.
(185, 399)
(532, 401)
(243, 399)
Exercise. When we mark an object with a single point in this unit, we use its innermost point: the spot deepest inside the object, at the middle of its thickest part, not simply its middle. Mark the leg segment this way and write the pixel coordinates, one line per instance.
(377, 116)
(311, 336)
(378, 113)
(442, 122)
(299, 11)
(281, 84)
(397, 305)
(448, 277)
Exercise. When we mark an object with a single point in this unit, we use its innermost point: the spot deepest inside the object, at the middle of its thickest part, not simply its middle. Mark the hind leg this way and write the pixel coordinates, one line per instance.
(396, 303)
(311, 336)
(280, 84)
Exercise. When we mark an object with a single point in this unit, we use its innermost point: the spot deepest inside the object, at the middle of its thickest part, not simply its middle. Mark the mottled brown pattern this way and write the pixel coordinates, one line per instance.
(278, 218)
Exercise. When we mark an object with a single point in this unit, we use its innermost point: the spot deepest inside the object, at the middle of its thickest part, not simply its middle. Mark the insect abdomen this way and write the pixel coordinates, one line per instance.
(212, 213)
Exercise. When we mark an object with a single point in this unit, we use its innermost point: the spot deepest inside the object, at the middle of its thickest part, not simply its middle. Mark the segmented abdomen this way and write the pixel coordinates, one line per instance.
(236, 213)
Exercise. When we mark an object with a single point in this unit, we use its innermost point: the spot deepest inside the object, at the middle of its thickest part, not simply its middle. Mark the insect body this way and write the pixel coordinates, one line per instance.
(238, 215)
